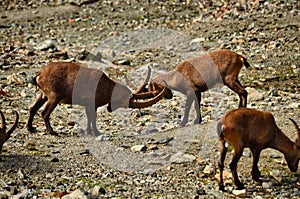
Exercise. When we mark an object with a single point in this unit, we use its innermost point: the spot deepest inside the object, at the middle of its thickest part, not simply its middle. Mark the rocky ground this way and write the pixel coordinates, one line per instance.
(143, 153)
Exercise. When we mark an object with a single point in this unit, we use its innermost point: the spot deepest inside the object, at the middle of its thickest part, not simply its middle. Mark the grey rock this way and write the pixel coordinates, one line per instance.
(2, 183)
(56, 150)
(24, 195)
(59, 55)
(85, 151)
(274, 92)
(247, 153)
(267, 185)
(148, 172)
(123, 62)
(81, 2)
(97, 190)
(294, 105)
(161, 141)
(254, 95)
(276, 175)
(47, 44)
(180, 157)
(4, 194)
(275, 155)
(78, 194)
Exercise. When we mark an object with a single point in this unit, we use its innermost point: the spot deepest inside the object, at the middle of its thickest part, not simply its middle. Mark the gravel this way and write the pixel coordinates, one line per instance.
(123, 38)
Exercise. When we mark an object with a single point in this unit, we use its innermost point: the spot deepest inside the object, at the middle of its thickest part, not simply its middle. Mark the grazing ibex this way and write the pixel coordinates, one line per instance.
(200, 74)
(4, 135)
(70, 83)
(249, 128)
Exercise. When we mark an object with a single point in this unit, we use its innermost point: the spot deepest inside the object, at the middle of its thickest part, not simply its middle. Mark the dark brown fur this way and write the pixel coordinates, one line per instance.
(70, 83)
(257, 130)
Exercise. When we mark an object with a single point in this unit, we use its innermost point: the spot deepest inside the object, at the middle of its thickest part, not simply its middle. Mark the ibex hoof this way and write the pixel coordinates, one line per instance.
(31, 129)
(97, 133)
(197, 121)
(221, 187)
(53, 133)
(183, 123)
(240, 186)
(94, 132)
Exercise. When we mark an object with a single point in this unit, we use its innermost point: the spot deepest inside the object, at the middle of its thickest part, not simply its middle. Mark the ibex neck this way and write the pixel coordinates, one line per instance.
(282, 143)
(173, 80)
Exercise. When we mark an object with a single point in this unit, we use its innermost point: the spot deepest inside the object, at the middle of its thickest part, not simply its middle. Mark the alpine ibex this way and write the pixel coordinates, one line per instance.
(200, 74)
(249, 128)
(70, 83)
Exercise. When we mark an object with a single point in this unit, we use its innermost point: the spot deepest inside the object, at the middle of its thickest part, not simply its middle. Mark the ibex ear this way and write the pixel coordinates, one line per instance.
(297, 141)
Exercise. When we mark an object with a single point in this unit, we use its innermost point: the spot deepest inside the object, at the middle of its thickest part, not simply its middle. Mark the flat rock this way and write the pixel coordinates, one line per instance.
(254, 95)
(77, 194)
(267, 185)
(180, 158)
(239, 192)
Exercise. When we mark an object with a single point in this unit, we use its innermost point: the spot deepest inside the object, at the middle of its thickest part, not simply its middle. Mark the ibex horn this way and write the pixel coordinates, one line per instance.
(141, 88)
(14, 126)
(297, 129)
(3, 124)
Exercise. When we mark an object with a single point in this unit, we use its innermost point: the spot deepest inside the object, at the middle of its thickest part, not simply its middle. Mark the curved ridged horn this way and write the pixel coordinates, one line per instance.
(14, 126)
(298, 131)
(144, 104)
(142, 87)
(145, 95)
(3, 124)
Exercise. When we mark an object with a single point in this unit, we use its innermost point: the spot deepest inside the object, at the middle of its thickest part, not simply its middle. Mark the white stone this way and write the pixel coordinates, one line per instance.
(239, 192)
(138, 148)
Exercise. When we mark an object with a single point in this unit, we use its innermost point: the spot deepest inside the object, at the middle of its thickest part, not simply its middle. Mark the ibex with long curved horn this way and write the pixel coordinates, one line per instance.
(70, 83)
(192, 77)
(257, 130)
(5, 135)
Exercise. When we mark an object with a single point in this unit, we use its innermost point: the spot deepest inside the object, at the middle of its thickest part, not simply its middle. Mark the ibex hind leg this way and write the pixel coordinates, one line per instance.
(188, 104)
(89, 123)
(223, 151)
(233, 167)
(198, 119)
(236, 86)
(41, 100)
(50, 106)
(186, 112)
